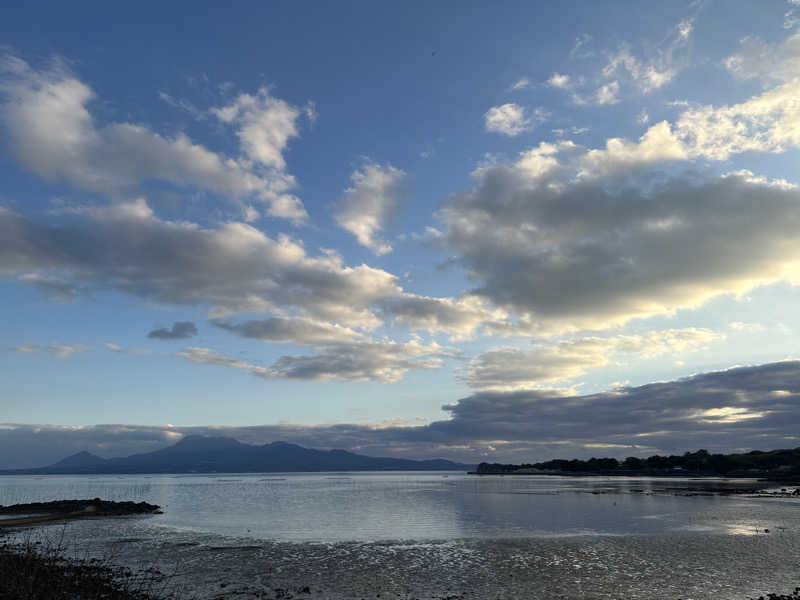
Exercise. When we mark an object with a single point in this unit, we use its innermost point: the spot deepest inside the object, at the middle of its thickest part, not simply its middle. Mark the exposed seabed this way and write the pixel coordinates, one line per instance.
(685, 566)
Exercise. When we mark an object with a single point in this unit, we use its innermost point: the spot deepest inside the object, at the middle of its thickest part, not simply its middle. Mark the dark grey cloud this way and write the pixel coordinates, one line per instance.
(180, 330)
(742, 408)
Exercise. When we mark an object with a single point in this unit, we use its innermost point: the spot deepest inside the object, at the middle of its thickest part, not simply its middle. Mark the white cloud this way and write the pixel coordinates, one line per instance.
(371, 204)
(52, 133)
(510, 368)
(766, 123)
(512, 119)
(572, 131)
(563, 253)
(607, 94)
(648, 77)
(521, 84)
(741, 327)
(685, 28)
(27, 349)
(264, 125)
(559, 80)
(383, 361)
(457, 317)
(579, 50)
(183, 105)
(624, 72)
(56, 349)
(293, 330)
(207, 356)
(658, 144)
(232, 268)
(771, 62)
(229, 269)
(120, 350)
(237, 268)
(542, 159)
(65, 350)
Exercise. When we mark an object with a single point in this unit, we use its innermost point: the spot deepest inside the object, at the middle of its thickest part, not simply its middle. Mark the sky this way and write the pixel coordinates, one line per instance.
(502, 231)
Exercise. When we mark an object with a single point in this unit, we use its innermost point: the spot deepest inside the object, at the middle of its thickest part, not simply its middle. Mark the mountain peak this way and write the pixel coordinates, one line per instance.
(80, 459)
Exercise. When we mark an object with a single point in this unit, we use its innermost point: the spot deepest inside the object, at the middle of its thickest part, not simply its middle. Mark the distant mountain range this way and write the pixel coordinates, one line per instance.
(200, 454)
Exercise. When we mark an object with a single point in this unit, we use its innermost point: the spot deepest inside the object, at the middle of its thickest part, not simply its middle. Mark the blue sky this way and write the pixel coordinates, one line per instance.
(382, 216)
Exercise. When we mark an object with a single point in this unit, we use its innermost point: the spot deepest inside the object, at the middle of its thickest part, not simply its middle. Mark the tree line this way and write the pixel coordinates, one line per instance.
(700, 462)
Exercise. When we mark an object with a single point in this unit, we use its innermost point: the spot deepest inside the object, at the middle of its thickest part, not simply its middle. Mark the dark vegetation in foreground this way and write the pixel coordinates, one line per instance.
(35, 571)
(775, 465)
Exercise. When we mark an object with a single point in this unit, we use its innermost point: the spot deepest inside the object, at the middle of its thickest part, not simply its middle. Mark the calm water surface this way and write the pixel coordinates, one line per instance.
(335, 507)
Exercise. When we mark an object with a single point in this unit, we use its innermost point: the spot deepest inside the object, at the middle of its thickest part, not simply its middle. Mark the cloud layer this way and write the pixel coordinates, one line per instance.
(733, 410)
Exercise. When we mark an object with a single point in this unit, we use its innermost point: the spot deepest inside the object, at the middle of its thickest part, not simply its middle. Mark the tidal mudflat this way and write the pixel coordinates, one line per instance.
(687, 565)
(442, 535)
